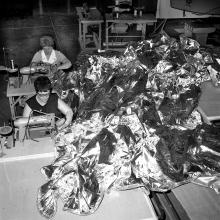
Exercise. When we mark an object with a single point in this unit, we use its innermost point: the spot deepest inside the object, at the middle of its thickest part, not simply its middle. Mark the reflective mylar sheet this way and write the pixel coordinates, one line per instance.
(137, 125)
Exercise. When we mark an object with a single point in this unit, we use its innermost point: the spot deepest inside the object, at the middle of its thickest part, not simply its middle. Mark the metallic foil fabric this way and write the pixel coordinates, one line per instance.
(137, 125)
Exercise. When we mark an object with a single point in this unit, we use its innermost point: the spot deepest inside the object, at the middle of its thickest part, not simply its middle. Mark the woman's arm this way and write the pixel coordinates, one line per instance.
(67, 111)
(36, 59)
(22, 122)
(65, 63)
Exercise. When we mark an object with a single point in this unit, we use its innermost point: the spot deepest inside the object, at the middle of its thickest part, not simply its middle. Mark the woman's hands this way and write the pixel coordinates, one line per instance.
(46, 68)
(67, 111)
(61, 124)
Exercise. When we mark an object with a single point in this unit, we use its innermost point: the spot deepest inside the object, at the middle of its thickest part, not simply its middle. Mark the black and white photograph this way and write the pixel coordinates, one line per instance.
(110, 110)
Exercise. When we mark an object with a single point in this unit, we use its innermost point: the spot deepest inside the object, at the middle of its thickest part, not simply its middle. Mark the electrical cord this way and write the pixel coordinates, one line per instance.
(29, 75)
(156, 28)
(160, 26)
(43, 113)
(26, 127)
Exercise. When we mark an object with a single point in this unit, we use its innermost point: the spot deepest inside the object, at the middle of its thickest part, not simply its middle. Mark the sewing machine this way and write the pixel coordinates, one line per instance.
(41, 68)
(34, 123)
(30, 73)
(121, 6)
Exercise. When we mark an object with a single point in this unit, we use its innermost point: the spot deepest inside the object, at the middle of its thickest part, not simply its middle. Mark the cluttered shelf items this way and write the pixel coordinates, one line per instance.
(137, 124)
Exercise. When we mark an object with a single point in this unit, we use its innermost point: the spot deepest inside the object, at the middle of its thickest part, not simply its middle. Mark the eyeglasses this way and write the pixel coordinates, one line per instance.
(43, 93)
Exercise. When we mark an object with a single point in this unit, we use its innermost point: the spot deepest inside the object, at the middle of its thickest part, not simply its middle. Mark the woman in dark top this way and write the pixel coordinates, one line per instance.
(47, 102)
(51, 105)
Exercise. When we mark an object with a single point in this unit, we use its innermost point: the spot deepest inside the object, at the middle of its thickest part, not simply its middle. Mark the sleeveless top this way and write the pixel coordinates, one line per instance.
(50, 107)
(56, 57)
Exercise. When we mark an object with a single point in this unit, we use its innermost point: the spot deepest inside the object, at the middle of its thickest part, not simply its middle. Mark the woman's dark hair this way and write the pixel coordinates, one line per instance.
(42, 83)
(46, 41)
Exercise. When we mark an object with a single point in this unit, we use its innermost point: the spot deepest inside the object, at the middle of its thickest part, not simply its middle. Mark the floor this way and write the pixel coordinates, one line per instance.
(22, 178)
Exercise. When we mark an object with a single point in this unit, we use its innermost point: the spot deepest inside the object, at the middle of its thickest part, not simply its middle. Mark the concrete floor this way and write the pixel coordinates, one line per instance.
(20, 181)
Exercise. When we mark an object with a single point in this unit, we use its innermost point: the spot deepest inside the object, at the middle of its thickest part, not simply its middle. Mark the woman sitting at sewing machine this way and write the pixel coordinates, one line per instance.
(47, 102)
(49, 55)
(47, 60)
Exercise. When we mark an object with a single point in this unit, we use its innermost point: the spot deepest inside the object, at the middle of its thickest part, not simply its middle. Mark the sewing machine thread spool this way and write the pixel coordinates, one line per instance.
(135, 13)
(12, 64)
(5, 136)
(140, 13)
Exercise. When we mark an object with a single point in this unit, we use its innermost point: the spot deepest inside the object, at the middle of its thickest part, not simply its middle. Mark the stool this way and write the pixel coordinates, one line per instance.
(6, 133)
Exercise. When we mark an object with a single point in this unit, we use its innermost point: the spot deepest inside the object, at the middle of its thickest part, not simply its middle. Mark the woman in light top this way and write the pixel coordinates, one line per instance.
(48, 55)
(46, 61)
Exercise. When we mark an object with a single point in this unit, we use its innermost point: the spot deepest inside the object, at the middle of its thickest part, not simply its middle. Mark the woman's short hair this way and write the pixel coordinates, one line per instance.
(42, 83)
(46, 41)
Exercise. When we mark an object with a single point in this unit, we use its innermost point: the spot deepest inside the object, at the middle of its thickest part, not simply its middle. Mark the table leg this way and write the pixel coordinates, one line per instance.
(68, 7)
(12, 107)
(80, 34)
(100, 36)
(40, 5)
(106, 35)
(84, 35)
(143, 31)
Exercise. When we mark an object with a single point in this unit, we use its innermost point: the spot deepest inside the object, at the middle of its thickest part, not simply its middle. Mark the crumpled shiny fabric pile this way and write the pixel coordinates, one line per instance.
(137, 125)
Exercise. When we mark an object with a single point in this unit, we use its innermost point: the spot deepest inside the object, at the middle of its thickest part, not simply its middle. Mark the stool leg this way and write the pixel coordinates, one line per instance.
(22, 131)
(10, 141)
(2, 142)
